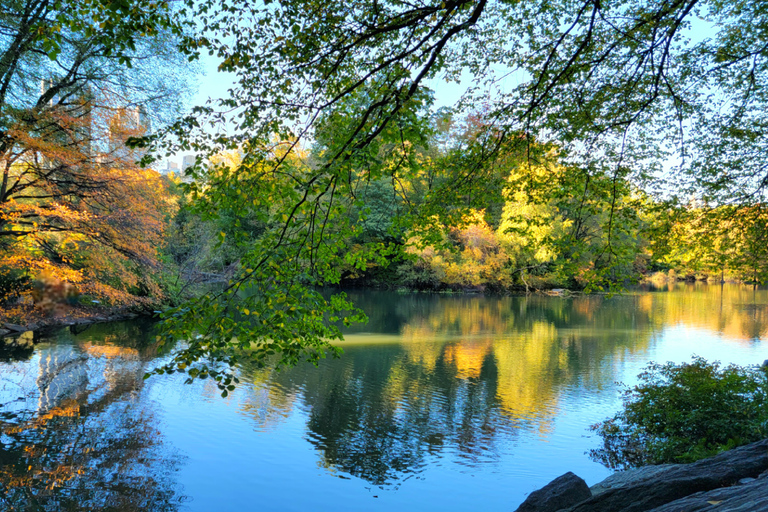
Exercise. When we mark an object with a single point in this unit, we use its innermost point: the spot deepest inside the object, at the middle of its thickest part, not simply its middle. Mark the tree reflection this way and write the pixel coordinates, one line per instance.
(738, 313)
(92, 444)
(378, 416)
(465, 377)
(16, 348)
(457, 376)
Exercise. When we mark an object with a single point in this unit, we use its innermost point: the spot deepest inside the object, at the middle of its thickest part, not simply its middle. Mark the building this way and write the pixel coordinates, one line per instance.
(127, 122)
(187, 162)
(71, 110)
(94, 127)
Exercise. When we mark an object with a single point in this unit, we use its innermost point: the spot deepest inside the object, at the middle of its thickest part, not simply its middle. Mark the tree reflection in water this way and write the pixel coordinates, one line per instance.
(76, 431)
(458, 377)
(429, 381)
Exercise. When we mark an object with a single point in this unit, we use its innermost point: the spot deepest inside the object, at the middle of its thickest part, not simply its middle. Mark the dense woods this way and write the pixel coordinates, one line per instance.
(630, 148)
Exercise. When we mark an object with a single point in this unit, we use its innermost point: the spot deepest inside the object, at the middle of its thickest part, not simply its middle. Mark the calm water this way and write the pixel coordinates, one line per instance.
(438, 403)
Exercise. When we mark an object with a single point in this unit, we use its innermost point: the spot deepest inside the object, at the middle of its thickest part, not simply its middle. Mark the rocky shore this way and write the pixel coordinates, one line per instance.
(74, 316)
(733, 481)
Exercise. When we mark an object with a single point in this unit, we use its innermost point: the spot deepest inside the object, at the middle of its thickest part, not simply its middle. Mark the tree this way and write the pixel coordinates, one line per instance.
(686, 412)
(77, 80)
(622, 88)
(726, 242)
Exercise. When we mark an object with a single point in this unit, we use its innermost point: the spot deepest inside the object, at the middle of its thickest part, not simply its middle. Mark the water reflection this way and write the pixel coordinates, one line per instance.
(739, 313)
(431, 382)
(456, 376)
(76, 431)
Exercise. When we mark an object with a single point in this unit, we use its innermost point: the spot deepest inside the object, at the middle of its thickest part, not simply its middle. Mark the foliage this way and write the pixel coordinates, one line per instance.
(685, 412)
(725, 242)
(469, 258)
(271, 304)
(343, 160)
(77, 81)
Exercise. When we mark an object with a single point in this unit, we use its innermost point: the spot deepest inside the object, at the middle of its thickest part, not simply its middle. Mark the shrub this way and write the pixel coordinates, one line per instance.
(686, 412)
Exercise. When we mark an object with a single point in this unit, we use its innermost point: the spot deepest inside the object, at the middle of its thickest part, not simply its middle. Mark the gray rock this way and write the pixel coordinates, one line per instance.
(14, 327)
(751, 497)
(562, 492)
(680, 480)
(3, 332)
(745, 481)
(629, 477)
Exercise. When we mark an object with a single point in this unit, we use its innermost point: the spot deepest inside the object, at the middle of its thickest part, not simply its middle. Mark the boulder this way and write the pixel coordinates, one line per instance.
(562, 492)
(630, 476)
(750, 497)
(656, 488)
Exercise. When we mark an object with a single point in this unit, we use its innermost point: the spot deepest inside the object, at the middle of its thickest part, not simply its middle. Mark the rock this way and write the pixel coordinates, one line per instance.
(14, 327)
(745, 481)
(751, 497)
(3, 332)
(562, 492)
(624, 478)
(656, 488)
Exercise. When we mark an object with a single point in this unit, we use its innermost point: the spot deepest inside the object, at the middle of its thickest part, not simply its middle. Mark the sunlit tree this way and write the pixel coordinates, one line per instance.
(631, 93)
(77, 81)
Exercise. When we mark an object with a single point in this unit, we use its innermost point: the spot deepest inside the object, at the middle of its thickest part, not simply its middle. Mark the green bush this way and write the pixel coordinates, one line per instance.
(686, 412)
(12, 283)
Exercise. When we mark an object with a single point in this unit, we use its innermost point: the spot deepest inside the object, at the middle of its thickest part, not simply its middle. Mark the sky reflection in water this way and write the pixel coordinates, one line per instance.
(439, 402)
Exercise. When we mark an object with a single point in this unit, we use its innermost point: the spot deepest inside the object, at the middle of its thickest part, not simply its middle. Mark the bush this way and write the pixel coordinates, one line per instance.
(13, 282)
(686, 412)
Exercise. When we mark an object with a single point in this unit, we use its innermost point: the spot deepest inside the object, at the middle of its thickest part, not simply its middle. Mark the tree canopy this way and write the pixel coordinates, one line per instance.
(77, 79)
(576, 111)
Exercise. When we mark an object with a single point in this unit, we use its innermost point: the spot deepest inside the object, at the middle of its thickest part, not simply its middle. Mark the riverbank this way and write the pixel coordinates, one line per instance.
(33, 320)
(733, 480)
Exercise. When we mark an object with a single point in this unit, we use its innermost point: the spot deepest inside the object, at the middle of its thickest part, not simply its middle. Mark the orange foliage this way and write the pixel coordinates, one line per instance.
(109, 351)
(70, 213)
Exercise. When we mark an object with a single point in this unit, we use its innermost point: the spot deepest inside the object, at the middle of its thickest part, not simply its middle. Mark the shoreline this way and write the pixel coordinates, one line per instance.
(72, 316)
(734, 479)
(35, 320)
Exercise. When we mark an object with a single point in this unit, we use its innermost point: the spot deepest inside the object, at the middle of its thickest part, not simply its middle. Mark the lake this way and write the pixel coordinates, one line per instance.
(439, 402)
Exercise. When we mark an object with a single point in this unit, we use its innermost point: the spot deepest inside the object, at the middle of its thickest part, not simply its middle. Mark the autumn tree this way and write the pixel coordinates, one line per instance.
(77, 80)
